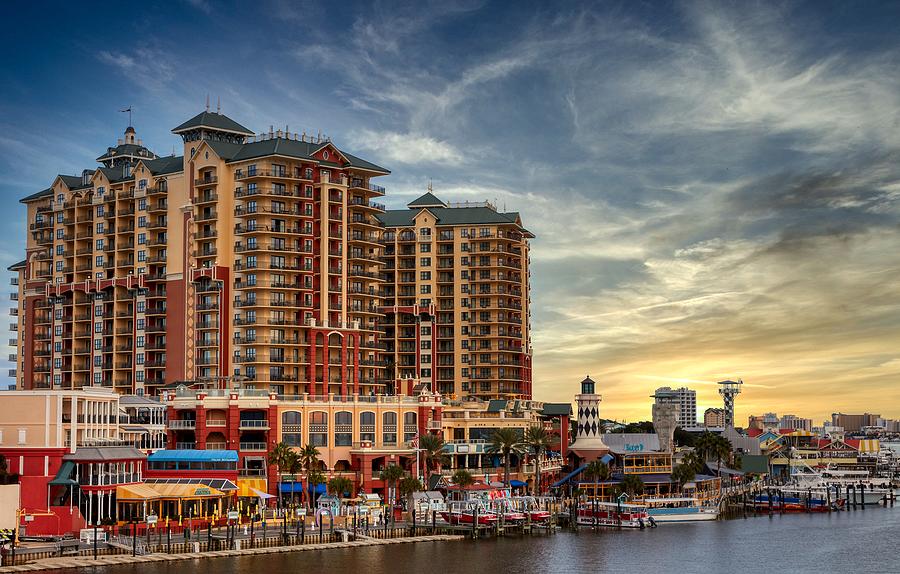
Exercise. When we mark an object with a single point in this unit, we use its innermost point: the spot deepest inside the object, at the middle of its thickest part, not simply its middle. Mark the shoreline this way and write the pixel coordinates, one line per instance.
(48, 564)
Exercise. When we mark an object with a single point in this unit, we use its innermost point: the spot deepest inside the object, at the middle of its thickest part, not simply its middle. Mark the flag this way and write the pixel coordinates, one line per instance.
(415, 441)
(128, 109)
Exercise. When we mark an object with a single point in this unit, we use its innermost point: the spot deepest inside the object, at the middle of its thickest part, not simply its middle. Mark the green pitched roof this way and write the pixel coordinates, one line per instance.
(35, 196)
(427, 200)
(132, 150)
(448, 216)
(164, 165)
(496, 405)
(213, 121)
(557, 409)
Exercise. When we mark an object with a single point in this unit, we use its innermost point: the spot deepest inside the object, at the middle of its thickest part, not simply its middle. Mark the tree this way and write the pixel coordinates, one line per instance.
(694, 461)
(683, 474)
(431, 447)
(505, 441)
(282, 457)
(598, 471)
(639, 427)
(309, 460)
(684, 438)
(340, 485)
(712, 446)
(392, 475)
(463, 479)
(632, 485)
(314, 478)
(409, 485)
(538, 440)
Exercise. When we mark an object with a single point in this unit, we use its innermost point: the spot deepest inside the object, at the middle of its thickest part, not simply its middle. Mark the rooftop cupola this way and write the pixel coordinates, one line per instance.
(128, 150)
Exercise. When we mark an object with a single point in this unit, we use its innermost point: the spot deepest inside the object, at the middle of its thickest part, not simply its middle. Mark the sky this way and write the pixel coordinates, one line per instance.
(714, 187)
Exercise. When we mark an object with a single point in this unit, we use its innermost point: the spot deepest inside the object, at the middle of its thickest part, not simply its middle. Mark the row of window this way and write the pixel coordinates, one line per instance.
(343, 436)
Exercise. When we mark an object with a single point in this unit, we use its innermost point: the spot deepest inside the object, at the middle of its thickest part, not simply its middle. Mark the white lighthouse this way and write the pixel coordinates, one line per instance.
(589, 443)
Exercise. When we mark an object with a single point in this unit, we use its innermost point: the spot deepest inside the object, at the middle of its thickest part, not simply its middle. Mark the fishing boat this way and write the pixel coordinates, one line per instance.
(504, 508)
(613, 515)
(531, 507)
(468, 512)
(684, 509)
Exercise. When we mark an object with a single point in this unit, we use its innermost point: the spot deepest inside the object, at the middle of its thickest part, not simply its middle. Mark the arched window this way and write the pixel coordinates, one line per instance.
(318, 428)
(389, 428)
(343, 428)
(367, 426)
(292, 428)
(410, 428)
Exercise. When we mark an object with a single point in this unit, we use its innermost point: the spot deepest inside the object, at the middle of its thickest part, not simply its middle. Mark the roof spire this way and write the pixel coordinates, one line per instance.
(207, 101)
(430, 186)
(218, 104)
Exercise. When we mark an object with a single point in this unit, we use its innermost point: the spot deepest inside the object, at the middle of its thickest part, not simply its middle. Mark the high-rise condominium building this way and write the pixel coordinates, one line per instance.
(456, 298)
(260, 259)
(685, 398)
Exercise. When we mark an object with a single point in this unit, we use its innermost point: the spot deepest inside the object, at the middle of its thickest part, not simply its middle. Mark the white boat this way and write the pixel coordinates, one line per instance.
(868, 491)
(684, 509)
(613, 515)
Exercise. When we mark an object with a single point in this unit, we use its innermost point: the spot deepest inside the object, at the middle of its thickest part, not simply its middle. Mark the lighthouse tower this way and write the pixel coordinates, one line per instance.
(589, 443)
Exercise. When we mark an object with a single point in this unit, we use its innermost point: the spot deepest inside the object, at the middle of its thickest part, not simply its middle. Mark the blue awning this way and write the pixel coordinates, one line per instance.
(298, 487)
(516, 483)
(193, 455)
(606, 458)
(570, 476)
(292, 486)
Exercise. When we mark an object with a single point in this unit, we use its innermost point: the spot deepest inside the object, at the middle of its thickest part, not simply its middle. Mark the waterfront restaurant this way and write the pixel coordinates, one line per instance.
(170, 501)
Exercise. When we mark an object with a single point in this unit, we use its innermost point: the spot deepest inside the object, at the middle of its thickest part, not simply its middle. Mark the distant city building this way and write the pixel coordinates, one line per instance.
(714, 418)
(768, 421)
(795, 422)
(685, 399)
(854, 423)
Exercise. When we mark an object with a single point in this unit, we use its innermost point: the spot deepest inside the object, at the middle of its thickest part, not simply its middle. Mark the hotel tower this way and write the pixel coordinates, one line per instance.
(265, 260)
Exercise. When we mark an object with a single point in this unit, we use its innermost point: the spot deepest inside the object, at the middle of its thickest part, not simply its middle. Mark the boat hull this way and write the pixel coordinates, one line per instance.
(468, 518)
(692, 514)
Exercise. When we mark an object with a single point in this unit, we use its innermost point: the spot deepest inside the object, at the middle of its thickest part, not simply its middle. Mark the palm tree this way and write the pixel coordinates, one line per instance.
(715, 447)
(505, 441)
(632, 485)
(340, 485)
(538, 439)
(409, 485)
(598, 471)
(281, 456)
(463, 479)
(431, 447)
(693, 460)
(314, 478)
(683, 474)
(309, 460)
(392, 475)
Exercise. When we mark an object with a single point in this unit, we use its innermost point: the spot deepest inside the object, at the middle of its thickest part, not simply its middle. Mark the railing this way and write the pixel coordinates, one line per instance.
(185, 424)
(253, 446)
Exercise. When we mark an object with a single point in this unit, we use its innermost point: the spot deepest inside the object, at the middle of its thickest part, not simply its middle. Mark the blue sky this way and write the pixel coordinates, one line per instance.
(714, 186)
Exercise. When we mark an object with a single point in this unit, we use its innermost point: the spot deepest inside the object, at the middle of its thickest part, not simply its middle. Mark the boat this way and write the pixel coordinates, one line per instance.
(797, 499)
(613, 515)
(683, 509)
(468, 512)
(865, 490)
(504, 509)
(531, 507)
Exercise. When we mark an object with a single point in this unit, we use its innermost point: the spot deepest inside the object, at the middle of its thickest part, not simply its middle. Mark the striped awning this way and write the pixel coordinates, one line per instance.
(247, 486)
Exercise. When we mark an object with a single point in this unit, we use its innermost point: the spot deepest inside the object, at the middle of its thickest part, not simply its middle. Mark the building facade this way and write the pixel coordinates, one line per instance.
(854, 423)
(264, 259)
(714, 418)
(685, 399)
(456, 299)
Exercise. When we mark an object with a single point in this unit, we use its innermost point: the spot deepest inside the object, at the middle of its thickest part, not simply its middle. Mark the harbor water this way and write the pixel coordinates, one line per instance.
(861, 541)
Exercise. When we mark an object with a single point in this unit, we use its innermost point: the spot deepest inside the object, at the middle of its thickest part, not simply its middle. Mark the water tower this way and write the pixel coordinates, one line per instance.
(729, 390)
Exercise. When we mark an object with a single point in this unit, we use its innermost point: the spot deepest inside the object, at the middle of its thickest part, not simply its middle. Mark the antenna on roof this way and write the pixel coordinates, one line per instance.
(218, 104)
(207, 101)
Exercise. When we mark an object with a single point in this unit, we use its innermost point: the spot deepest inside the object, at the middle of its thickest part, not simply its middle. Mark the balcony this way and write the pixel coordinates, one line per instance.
(183, 425)
(253, 424)
(253, 446)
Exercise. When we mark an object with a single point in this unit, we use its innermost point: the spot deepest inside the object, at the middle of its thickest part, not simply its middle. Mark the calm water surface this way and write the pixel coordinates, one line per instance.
(845, 542)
